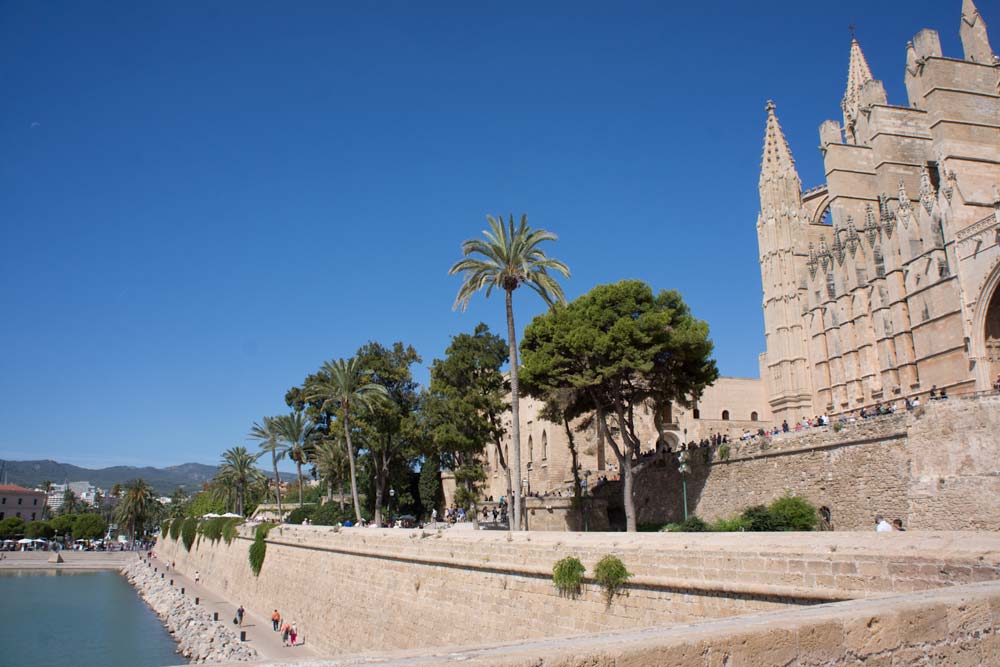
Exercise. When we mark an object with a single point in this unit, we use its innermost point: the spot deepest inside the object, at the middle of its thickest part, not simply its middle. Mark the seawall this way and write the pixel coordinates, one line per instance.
(368, 589)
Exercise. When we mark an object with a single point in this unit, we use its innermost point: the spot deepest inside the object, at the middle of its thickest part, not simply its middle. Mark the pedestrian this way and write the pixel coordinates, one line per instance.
(881, 525)
(293, 634)
(285, 630)
(197, 576)
(239, 615)
(275, 620)
(897, 524)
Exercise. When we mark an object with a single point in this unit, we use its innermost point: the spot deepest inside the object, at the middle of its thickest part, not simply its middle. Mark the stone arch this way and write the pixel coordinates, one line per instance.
(986, 332)
(545, 446)
(753, 416)
(725, 415)
(531, 452)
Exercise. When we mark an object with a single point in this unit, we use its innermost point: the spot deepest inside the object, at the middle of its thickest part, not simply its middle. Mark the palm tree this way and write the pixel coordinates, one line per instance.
(239, 472)
(267, 434)
(331, 461)
(343, 385)
(294, 429)
(506, 259)
(136, 506)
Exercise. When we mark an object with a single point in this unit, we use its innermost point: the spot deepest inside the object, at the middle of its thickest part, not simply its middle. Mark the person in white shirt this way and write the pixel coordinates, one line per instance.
(881, 525)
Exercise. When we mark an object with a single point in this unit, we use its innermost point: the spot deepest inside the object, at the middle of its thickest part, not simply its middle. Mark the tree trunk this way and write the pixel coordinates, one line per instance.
(298, 465)
(329, 489)
(342, 503)
(574, 458)
(515, 429)
(350, 459)
(277, 486)
(630, 525)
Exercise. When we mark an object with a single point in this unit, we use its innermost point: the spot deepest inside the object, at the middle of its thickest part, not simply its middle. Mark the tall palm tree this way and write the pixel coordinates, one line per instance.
(239, 472)
(136, 506)
(294, 430)
(506, 259)
(331, 462)
(267, 434)
(343, 385)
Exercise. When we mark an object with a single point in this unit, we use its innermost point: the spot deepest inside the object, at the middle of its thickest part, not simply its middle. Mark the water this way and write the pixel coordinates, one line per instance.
(79, 619)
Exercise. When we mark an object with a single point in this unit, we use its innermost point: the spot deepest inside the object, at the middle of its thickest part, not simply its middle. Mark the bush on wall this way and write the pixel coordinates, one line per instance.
(567, 576)
(189, 531)
(611, 574)
(259, 547)
(175, 529)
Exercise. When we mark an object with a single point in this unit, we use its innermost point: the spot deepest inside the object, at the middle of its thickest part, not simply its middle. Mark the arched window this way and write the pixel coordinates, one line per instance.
(753, 416)
(531, 452)
(696, 413)
(725, 414)
(545, 446)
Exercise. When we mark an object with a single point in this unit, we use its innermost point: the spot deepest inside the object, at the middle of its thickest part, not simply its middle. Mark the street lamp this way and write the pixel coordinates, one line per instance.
(392, 494)
(684, 469)
(586, 506)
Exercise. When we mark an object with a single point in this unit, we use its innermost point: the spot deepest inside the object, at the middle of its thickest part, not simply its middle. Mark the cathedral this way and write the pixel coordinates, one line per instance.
(882, 283)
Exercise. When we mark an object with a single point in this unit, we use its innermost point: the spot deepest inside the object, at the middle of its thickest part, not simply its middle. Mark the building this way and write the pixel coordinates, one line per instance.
(882, 283)
(20, 502)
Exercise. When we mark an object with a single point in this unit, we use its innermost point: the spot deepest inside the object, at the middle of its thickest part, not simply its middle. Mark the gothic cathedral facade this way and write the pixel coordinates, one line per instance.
(883, 283)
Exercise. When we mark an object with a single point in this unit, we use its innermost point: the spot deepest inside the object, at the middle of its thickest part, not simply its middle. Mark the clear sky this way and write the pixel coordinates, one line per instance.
(201, 202)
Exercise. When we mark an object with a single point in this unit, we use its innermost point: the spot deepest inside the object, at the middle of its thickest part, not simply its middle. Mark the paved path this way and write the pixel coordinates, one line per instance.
(72, 560)
(256, 622)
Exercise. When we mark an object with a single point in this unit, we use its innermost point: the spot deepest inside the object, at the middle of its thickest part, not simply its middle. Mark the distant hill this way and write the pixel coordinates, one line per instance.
(188, 476)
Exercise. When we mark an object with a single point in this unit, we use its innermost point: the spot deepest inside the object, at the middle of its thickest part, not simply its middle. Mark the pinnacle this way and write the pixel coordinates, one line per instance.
(970, 13)
(777, 159)
(858, 74)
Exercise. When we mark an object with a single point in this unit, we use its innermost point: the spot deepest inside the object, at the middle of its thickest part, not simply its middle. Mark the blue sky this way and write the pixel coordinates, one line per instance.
(201, 203)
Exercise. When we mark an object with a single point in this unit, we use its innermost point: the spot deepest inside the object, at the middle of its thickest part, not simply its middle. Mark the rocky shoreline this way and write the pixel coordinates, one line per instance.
(199, 638)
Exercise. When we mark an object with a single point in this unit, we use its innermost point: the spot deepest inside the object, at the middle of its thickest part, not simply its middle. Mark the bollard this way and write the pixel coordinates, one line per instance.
(182, 590)
(215, 616)
(171, 582)
(243, 635)
(162, 575)
(197, 600)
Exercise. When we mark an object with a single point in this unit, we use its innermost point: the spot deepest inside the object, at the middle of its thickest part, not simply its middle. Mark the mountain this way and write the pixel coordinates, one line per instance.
(188, 476)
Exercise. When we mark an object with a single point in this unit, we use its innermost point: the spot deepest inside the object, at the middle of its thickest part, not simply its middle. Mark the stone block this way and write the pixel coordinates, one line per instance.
(871, 634)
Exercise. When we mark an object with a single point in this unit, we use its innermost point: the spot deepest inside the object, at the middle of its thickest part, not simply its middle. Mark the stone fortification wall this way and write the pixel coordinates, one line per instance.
(363, 589)
(956, 626)
(937, 468)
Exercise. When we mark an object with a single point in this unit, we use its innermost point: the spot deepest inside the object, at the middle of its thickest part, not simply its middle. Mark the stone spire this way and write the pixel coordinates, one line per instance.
(975, 40)
(858, 74)
(777, 161)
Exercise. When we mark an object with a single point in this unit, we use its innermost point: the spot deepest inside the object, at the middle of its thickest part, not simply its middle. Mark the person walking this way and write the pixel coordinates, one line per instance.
(881, 525)
(275, 621)
(285, 631)
(239, 615)
(197, 576)
(293, 634)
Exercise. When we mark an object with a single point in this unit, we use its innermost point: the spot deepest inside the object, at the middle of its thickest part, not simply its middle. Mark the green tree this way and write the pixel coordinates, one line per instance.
(345, 386)
(136, 507)
(390, 431)
(178, 503)
(620, 348)
(89, 527)
(506, 259)
(268, 434)
(63, 525)
(431, 493)
(70, 503)
(465, 407)
(39, 529)
(238, 471)
(294, 430)
(204, 502)
(331, 464)
(12, 526)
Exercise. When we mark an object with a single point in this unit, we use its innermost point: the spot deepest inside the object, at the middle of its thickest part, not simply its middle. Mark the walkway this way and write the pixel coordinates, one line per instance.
(256, 622)
(72, 560)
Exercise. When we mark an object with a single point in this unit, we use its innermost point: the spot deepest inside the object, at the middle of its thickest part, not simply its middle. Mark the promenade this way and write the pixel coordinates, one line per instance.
(256, 622)
(72, 560)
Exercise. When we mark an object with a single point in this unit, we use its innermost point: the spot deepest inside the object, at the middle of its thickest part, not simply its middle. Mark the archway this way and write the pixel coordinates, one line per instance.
(991, 336)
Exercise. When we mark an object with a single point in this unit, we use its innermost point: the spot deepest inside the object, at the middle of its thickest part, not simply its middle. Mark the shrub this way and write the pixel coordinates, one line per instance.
(189, 531)
(164, 528)
(330, 514)
(650, 527)
(793, 513)
(567, 575)
(229, 531)
(724, 453)
(11, 526)
(731, 525)
(175, 529)
(758, 518)
(297, 515)
(611, 574)
(691, 525)
(838, 427)
(259, 547)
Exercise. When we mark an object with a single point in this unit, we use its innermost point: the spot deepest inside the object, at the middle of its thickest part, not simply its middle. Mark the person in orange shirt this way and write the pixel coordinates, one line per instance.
(275, 620)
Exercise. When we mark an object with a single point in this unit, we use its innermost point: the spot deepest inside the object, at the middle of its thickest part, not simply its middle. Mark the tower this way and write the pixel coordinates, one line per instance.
(975, 40)
(782, 239)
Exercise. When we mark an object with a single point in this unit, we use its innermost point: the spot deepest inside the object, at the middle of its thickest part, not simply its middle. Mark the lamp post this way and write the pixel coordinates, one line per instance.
(392, 495)
(683, 468)
(586, 506)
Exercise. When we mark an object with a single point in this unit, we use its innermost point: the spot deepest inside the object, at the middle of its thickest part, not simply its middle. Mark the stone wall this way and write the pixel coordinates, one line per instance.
(935, 468)
(958, 626)
(362, 589)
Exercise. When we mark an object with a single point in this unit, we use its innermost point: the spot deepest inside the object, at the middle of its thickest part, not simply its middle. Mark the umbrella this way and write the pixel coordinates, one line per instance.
(40, 540)
(210, 515)
(24, 540)
(231, 515)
